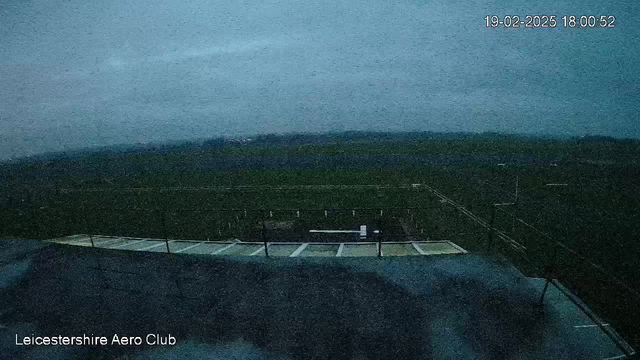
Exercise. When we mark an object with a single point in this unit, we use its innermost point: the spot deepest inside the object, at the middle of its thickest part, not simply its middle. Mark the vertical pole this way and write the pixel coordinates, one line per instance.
(57, 219)
(264, 235)
(379, 235)
(544, 291)
(515, 210)
(493, 218)
(86, 226)
(549, 270)
(164, 229)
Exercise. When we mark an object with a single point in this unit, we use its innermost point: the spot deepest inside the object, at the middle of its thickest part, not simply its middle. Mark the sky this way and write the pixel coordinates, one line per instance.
(80, 73)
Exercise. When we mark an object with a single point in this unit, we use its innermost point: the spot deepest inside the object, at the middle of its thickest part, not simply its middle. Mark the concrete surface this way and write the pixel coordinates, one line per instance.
(410, 307)
(257, 249)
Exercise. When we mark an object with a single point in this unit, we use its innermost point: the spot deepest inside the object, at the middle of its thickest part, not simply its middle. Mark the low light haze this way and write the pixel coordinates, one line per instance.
(81, 73)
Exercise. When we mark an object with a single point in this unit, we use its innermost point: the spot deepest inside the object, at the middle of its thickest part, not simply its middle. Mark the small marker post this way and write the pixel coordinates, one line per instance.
(264, 235)
(164, 229)
(379, 236)
(549, 270)
(493, 218)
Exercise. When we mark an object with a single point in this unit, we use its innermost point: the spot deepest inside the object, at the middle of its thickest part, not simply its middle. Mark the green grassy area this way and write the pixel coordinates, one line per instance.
(595, 214)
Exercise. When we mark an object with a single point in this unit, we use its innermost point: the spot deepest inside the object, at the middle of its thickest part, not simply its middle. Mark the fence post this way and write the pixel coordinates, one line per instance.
(549, 270)
(544, 291)
(491, 222)
(264, 235)
(379, 235)
(86, 226)
(164, 228)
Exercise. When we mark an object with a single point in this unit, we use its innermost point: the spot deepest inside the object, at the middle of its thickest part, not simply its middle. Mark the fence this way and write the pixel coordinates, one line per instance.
(537, 253)
(603, 273)
(276, 225)
(498, 230)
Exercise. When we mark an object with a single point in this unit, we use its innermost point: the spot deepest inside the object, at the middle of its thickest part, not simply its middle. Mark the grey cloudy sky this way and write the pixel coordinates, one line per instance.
(78, 73)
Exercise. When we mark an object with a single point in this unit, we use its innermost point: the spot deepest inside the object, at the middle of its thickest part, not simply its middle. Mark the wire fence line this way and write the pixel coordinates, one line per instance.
(480, 221)
(489, 230)
(243, 223)
(249, 188)
(543, 234)
(263, 220)
(176, 209)
(601, 213)
(610, 294)
(502, 235)
(573, 252)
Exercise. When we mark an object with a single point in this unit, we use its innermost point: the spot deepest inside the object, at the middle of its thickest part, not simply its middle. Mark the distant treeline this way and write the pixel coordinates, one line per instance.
(322, 138)
(297, 139)
(261, 139)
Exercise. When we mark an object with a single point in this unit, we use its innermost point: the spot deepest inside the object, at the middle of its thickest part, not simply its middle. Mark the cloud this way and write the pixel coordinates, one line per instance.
(95, 71)
(231, 47)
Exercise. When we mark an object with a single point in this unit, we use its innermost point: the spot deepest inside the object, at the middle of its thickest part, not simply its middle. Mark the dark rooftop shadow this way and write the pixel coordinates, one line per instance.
(301, 310)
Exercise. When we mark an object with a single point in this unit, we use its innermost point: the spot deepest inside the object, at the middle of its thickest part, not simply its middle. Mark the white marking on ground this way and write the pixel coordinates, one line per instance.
(418, 249)
(75, 241)
(127, 243)
(155, 246)
(619, 357)
(589, 326)
(340, 249)
(189, 247)
(100, 241)
(257, 251)
(222, 249)
(109, 241)
(299, 250)
(457, 247)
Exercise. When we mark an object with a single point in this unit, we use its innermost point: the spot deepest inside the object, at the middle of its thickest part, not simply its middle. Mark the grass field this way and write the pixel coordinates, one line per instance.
(595, 214)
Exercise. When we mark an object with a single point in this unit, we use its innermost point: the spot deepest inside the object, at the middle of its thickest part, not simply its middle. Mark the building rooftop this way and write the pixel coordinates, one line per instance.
(448, 306)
